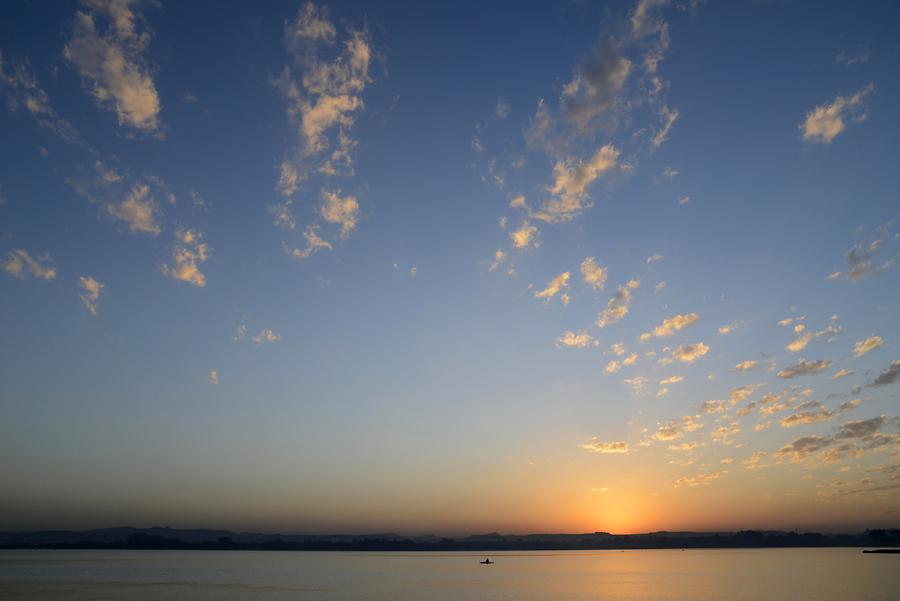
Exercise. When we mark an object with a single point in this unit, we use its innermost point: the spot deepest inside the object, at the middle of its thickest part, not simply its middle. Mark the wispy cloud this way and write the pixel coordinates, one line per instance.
(91, 292)
(554, 286)
(22, 89)
(688, 353)
(618, 306)
(594, 275)
(596, 446)
(189, 254)
(576, 340)
(826, 121)
(675, 323)
(138, 209)
(865, 346)
(108, 46)
(21, 265)
(804, 368)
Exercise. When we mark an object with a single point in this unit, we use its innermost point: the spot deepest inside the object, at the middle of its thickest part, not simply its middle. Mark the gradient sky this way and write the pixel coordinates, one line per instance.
(449, 267)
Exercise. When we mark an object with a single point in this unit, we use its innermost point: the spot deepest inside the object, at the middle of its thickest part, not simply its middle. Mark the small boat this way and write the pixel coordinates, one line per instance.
(486, 561)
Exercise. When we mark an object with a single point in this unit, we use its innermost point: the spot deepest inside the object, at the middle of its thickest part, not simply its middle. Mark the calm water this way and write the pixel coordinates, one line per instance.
(714, 575)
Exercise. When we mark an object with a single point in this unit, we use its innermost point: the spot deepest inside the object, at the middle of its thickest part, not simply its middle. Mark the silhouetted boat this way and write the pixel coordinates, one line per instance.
(486, 561)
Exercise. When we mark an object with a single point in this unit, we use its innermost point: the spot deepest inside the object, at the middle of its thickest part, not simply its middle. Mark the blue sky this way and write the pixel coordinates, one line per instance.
(583, 266)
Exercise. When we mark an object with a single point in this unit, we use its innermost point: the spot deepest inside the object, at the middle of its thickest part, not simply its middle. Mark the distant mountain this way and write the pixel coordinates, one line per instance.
(172, 538)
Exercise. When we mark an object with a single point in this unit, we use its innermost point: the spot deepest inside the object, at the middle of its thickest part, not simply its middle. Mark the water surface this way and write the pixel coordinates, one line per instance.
(664, 575)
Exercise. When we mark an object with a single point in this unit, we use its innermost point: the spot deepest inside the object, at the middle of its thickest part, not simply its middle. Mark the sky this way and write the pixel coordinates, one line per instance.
(450, 267)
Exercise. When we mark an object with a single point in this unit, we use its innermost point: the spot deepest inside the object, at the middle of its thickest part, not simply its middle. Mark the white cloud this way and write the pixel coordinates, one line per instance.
(282, 217)
(266, 335)
(21, 265)
(189, 253)
(595, 446)
(746, 365)
(668, 117)
(688, 353)
(843, 373)
(618, 305)
(324, 101)
(499, 258)
(525, 237)
(502, 109)
(314, 243)
(594, 275)
(571, 180)
(554, 286)
(213, 377)
(673, 324)
(670, 173)
(869, 344)
(112, 61)
(92, 289)
(683, 200)
(340, 210)
(826, 121)
(652, 259)
(138, 209)
(576, 340)
(612, 367)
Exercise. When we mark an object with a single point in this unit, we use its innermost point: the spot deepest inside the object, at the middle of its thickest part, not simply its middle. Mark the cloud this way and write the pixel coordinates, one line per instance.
(595, 446)
(668, 432)
(324, 101)
(826, 121)
(671, 380)
(21, 265)
(673, 324)
(22, 88)
(889, 375)
(612, 367)
(668, 117)
(842, 374)
(189, 253)
(213, 377)
(571, 180)
(266, 335)
(499, 258)
(617, 307)
(576, 340)
(654, 259)
(869, 344)
(525, 237)
(92, 289)
(340, 210)
(746, 365)
(713, 406)
(814, 413)
(282, 217)
(853, 438)
(594, 275)
(241, 333)
(799, 343)
(803, 368)
(688, 353)
(723, 434)
(637, 384)
(314, 243)
(554, 286)
(596, 85)
(683, 200)
(698, 479)
(138, 209)
(739, 393)
(670, 173)
(630, 359)
(112, 61)
(803, 447)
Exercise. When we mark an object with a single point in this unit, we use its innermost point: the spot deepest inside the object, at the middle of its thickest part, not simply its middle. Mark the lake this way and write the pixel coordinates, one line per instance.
(659, 575)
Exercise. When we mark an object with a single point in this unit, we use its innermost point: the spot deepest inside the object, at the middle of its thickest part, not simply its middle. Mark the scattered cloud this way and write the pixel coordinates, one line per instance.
(554, 286)
(314, 243)
(746, 365)
(869, 344)
(668, 117)
(618, 305)
(673, 324)
(340, 210)
(668, 432)
(683, 200)
(843, 373)
(826, 121)
(596, 446)
(91, 292)
(499, 259)
(688, 353)
(214, 377)
(808, 413)
(803, 368)
(189, 254)
(21, 265)
(502, 109)
(22, 89)
(138, 209)
(594, 275)
(571, 180)
(108, 46)
(889, 375)
(699, 479)
(576, 340)
(670, 173)
(525, 237)
(266, 335)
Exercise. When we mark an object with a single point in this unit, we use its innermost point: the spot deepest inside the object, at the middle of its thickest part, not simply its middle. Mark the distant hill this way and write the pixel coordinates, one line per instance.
(172, 538)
